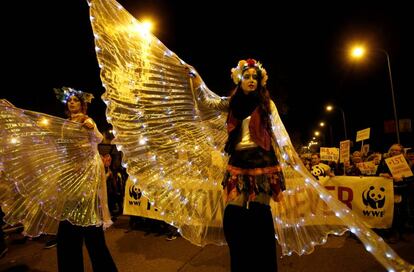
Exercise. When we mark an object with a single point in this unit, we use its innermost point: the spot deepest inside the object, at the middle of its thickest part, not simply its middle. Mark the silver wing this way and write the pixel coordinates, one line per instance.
(170, 136)
(51, 171)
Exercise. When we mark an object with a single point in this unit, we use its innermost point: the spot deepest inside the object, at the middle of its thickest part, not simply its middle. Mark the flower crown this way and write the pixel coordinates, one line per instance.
(63, 94)
(237, 72)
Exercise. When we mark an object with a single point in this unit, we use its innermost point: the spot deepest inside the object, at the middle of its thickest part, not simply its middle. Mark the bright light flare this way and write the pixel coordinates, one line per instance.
(357, 52)
(147, 26)
(44, 121)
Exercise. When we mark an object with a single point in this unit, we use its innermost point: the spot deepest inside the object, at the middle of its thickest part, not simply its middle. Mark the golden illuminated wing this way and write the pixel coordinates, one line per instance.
(171, 136)
(51, 170)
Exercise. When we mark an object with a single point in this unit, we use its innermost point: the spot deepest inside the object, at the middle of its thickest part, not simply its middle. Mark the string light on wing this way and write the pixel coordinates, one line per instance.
(172, 137)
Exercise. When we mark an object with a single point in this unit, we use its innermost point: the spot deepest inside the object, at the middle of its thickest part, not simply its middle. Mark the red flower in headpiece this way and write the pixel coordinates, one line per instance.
(251, 62)
(242, 65)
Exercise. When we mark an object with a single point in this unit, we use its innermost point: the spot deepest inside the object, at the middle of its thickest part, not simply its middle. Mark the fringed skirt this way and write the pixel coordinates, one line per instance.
(254, 175)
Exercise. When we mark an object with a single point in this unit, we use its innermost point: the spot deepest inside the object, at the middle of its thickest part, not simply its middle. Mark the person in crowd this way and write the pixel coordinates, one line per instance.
(410, 197)
(321, 171)
(351, 168)
(402, 194)
(111, 188)
(306, 161)
(336, 168)
(375, 157)
(119, 190)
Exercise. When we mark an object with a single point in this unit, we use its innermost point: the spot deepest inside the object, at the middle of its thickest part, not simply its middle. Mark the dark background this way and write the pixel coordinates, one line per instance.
(303, 47)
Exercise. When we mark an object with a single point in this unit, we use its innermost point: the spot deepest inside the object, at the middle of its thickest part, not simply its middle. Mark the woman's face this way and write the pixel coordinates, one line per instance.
(249, 80)
(74, 105)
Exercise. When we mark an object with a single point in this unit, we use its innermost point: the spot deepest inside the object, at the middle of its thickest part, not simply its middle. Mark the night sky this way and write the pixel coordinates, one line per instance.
(302, 46)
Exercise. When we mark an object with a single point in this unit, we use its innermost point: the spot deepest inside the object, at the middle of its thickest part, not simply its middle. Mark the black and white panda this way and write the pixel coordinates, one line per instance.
(135, 192)
(375, 198)
(318, 171)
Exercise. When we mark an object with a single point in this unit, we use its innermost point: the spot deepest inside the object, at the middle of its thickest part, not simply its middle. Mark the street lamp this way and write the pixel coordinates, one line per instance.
(322, 124)
(358, 52)
(330, 108)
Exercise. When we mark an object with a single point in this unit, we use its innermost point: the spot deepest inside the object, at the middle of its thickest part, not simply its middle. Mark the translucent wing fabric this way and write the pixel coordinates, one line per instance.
(172, 138)
(298, 215)
(50, 171)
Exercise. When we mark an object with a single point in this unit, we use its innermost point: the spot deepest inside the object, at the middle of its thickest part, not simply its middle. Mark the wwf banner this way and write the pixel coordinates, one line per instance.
(137, 204)
(371, 198)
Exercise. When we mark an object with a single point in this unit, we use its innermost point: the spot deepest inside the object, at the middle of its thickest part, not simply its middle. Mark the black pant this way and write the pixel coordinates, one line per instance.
(2, 241)
(250, 235)
(69, 248)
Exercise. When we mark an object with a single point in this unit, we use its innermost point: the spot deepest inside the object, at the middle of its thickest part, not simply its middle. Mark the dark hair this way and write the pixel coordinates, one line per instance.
(263, 95)
(84, 105)
(241, 106)
(316, 154)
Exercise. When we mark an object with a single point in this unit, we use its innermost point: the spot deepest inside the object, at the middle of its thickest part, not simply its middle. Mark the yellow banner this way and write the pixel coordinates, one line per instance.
(371, 198)
(137, 204)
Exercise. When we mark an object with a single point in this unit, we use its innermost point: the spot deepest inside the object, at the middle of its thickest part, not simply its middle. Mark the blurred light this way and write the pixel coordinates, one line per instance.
(147, 26)
(44, 121)
(357, 52)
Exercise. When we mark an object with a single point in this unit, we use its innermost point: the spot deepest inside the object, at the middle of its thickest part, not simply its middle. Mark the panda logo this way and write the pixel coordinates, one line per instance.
(318, 171)
(375, 198)
(135, 192)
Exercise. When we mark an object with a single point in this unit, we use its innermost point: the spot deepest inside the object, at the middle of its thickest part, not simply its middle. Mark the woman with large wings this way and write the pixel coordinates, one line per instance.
(173, 137)
(49, 168)
(52, 179)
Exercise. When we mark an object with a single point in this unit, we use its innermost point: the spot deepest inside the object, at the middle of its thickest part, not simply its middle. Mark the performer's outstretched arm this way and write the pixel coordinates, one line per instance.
(204, 95)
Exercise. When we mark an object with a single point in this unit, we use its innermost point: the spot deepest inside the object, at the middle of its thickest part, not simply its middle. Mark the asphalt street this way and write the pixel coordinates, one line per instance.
(147, 250)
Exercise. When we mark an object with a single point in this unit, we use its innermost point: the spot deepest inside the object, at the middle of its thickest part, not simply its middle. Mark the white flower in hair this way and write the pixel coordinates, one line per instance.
(237, 72)
(264, 76)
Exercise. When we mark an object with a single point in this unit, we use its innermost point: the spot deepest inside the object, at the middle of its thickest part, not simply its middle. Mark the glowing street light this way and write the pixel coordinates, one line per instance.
(143, 28)
(147, 25)
(357, 52)
(330, 108)
(323, 124)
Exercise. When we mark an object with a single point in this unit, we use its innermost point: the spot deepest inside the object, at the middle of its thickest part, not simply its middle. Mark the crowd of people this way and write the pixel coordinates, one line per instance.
(374, 164)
